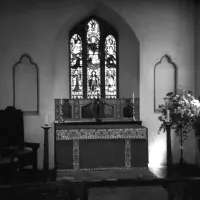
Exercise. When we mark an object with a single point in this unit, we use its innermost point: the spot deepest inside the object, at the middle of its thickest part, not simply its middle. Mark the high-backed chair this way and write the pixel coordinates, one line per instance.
(8, 168)
(12, 138)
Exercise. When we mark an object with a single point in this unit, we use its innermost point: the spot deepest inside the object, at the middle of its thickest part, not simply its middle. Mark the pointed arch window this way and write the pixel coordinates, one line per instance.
(93, 60)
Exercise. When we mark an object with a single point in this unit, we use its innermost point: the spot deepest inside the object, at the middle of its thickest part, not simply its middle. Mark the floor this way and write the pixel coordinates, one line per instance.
(159, 191)
(177, 172)
(128, 193)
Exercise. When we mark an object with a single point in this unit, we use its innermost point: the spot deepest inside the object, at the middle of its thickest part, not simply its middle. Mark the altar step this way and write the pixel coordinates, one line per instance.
(104, 175)
(136, 192)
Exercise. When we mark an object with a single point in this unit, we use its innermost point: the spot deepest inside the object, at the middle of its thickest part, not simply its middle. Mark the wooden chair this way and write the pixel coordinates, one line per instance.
(8, 167)
(12, 135)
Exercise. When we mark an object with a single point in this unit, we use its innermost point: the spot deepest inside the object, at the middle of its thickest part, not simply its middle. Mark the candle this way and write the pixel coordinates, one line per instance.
(133, 97)
(168, 118)
(46, 119)
(61, 98)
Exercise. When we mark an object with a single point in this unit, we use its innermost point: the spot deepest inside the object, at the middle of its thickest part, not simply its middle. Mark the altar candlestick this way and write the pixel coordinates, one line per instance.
(46, 119)
(168, 118)
(133, 108)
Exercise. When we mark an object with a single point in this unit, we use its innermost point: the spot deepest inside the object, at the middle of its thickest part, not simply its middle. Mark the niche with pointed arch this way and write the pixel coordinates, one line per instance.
(25, 85)
(164, 80)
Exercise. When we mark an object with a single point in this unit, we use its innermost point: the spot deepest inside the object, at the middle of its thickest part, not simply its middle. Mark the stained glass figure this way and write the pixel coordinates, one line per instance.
(93, 59)
(110, 51)
(110, 67)
(76, 66)
(93, 36)
(93, 88)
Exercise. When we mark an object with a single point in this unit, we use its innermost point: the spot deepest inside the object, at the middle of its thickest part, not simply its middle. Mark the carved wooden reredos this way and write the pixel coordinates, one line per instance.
(86, 109)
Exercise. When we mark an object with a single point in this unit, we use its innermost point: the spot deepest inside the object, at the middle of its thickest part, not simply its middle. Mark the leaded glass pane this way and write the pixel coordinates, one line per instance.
(76, 66)
(110, 51)
(110, 68)
(93, 59)
(93, 36)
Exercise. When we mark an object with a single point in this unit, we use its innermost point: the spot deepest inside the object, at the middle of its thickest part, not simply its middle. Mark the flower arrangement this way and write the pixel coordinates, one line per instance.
(183, 111)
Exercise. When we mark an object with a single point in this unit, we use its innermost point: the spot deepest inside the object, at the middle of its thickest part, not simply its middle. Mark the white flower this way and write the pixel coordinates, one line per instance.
(196, 103)
(186, 101)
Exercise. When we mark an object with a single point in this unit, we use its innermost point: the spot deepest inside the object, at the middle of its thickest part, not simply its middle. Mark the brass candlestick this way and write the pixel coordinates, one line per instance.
(133, 110)
(169, 151)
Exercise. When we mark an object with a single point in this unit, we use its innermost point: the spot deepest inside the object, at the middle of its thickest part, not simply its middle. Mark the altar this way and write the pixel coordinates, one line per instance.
(90, 145)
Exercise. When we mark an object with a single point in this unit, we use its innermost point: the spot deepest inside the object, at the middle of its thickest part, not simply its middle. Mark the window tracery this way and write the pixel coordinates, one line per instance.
(93, 60)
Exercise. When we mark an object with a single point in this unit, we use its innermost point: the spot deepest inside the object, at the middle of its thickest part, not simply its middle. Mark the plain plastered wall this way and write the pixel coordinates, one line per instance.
(147, 29)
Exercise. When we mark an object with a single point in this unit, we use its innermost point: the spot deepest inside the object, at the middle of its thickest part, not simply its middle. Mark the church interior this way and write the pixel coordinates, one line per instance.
(80, 87)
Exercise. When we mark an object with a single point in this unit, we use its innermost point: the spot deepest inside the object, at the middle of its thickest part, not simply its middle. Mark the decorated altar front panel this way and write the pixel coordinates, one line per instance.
(100, 146)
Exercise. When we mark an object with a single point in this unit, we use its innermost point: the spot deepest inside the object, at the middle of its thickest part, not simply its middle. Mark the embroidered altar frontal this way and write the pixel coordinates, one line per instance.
(100, 146)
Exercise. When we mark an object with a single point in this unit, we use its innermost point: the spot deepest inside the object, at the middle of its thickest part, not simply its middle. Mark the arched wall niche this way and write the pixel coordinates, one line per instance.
(128, 51)
(165, 80)
(25, 85)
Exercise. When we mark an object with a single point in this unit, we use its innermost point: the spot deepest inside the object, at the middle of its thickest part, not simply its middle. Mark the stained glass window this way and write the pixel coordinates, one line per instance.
(93, 60)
